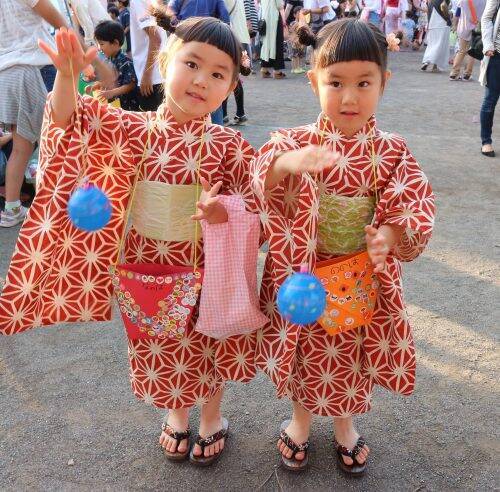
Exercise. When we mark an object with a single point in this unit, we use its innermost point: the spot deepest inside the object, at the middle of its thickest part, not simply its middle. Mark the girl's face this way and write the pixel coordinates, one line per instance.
(199, 77)
(349, 92)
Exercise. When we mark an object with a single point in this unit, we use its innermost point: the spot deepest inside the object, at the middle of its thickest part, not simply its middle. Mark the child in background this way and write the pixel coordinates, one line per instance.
(409, 26)
(297, 49)
(342, 162)
(113, 12)
(109, 36)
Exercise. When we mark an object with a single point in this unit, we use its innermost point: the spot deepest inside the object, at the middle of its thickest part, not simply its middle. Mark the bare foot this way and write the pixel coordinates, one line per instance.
(209, 427)
(210, 423)
(178, 420)
(298, 430)
(487, 148)
(346, 435)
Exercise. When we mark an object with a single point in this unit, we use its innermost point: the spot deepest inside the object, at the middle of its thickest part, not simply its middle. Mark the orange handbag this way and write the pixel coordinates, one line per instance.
(351, 291)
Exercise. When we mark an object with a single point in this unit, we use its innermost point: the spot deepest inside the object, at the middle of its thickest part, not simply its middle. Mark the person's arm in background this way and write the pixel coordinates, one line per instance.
(154, 42)
(487, 27)
(5, 138)
(50, 14)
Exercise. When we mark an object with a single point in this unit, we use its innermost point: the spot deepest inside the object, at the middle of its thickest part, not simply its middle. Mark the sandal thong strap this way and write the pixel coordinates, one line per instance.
(204, 442)
(178, 436)
(350, 453)
(291, 444)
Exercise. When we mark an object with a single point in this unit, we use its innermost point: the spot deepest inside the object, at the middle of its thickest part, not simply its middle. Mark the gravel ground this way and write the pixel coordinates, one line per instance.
(70, 422)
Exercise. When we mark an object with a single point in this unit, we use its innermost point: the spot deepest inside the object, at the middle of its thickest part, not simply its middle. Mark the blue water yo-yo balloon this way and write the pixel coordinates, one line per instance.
(89, 208)
(301, 298)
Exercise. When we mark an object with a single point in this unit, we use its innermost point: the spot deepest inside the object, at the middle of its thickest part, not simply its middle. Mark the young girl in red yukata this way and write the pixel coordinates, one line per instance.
(59, 273)
(317, 186)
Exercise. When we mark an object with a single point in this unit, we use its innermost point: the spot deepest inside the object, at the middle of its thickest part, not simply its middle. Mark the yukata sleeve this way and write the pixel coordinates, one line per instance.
(272, 199)
(408, 201)
(59, 273)
(238, 156)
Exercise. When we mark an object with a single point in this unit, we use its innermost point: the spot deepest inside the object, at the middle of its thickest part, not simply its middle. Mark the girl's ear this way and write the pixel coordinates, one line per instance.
(232, 87)
(313, 78)
(387, 76)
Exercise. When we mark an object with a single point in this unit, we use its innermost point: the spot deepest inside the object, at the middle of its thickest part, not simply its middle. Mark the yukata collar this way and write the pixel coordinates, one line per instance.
(166, 115)
(331, 132)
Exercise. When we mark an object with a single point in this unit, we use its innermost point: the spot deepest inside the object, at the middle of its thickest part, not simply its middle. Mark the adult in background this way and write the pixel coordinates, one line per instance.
(272, 49)
(183, 9)
(438, 36)
(124, 20)
(394, 15)
(236, 10)
(146, 38)
(88, 14)
(26, 75)
(490, 72)
(321, 13)
(470, 15)
(374, 11)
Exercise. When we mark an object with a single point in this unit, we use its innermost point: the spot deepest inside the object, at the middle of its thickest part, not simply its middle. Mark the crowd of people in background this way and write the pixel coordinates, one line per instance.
(129, 39)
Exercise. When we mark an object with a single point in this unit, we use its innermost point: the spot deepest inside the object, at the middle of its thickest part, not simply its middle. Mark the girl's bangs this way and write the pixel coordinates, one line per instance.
(346, 42)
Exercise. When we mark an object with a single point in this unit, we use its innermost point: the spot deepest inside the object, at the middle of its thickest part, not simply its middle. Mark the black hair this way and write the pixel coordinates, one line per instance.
(346, 40)
(203, 30)
(109, 31)
(296, 9)
(123, 2)
(113, 10)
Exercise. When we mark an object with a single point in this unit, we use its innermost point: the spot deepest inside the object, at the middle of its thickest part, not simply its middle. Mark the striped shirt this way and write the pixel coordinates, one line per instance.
(251, 14)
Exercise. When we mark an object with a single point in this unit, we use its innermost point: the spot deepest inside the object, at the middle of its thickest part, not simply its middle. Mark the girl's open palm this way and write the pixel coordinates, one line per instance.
(312, 159)
(69, 52)
(208, 206)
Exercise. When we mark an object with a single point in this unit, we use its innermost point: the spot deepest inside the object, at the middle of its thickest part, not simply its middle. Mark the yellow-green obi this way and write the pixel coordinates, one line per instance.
(163, 211)
(342, 221)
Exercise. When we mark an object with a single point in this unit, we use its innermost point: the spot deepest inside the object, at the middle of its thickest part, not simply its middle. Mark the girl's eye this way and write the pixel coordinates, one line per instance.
(335, 83)
(218, 75)
(191, 64)
(364, 84)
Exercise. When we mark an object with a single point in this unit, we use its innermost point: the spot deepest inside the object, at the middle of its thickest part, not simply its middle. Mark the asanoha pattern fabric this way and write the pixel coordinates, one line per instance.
(60, 274)
(334, 375)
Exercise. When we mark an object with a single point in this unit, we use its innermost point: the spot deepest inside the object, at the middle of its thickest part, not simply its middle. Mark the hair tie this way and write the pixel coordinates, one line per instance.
(392, 42)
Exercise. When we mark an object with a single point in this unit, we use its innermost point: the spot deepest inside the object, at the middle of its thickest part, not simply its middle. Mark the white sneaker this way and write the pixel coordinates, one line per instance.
(10, 218)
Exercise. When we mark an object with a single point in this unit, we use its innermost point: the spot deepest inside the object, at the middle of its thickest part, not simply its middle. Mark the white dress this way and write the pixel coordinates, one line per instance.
(438, 42)
(270, 13)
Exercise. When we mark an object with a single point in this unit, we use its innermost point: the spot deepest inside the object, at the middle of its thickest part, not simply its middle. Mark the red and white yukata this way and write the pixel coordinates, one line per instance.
(60, 274)
(334, 375)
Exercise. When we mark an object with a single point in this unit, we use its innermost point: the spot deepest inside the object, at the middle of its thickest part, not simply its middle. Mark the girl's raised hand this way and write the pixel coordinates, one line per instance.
(208, 206)
(311, 159)
(69, 52)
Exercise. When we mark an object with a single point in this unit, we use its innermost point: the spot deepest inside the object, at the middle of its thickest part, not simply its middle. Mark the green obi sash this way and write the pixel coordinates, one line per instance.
(342, 221)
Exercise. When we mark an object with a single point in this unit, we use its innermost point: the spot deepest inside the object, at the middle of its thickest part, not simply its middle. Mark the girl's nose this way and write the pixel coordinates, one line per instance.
(349, 97)
(200, 80)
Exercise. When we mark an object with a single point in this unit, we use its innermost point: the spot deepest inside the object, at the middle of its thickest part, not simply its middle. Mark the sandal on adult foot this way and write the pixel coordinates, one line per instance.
(293, 463)
(266, 74)
(279, 75)
(356, 469)
(207, 441)
(179, 437)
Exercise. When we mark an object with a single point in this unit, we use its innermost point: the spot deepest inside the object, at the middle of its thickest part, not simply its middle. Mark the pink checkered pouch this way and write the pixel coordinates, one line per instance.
(229, 302)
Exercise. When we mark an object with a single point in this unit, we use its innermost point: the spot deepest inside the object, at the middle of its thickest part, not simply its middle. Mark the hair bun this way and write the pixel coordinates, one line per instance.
(306, 36)
(163, 18)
